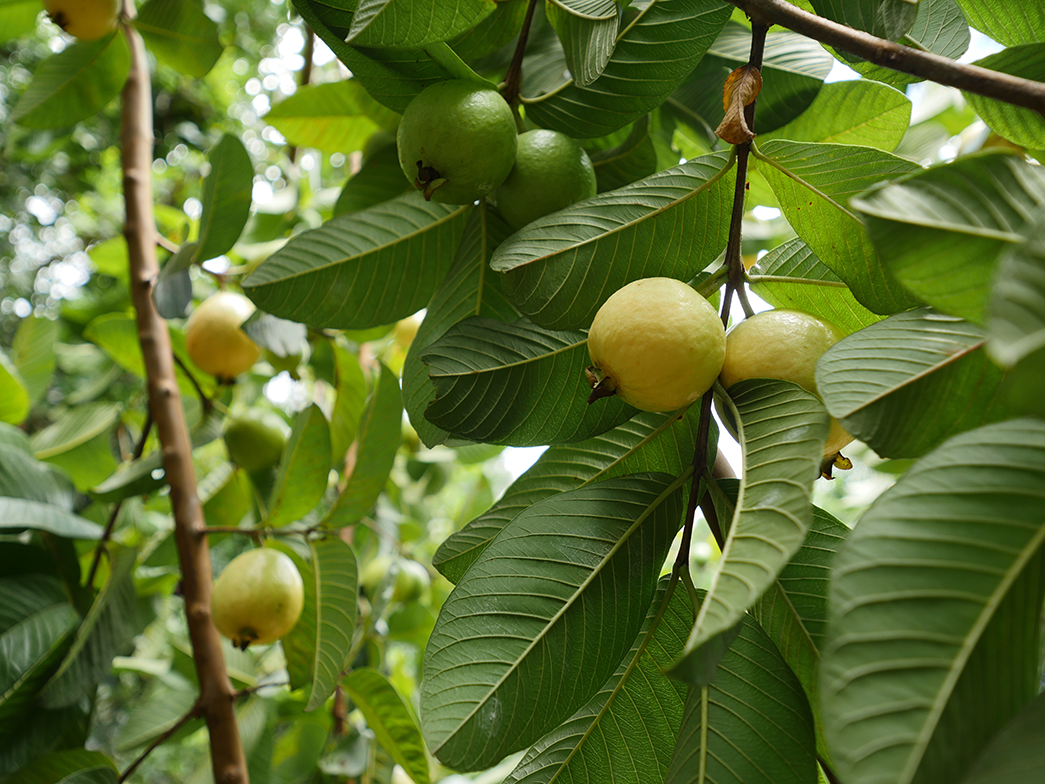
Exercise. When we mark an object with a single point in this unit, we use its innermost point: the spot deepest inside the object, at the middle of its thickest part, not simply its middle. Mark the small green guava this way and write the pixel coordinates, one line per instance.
(551, 172)
(457, 141)
(257, 598)
(255, 440)
(783, 344)
(657, 344)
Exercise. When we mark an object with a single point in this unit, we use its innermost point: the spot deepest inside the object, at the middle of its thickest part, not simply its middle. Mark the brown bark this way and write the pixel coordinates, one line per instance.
(972, 78)
(216, 692)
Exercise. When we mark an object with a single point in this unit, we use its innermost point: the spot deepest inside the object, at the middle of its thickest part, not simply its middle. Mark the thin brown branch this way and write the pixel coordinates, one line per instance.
(193, 713)
(943, 70)
(513, 78)
(216, 692)
(115, 512)
(306, 75)
(205, 402)
(700, 463)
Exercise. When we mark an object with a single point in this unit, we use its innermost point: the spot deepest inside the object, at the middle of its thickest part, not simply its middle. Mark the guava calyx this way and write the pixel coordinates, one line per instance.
(427, 180)
(601, 384)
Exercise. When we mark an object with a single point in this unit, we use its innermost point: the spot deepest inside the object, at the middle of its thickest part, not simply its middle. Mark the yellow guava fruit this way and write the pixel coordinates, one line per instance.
(783, 344)
(657, 344)
(257, 598)
(551, 172)
(255, 440)
(457, 141)
(87, 20)
(214, 339)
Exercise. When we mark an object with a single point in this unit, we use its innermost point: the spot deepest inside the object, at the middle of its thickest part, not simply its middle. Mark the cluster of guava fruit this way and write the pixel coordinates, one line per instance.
(458, 142)
(659, 345)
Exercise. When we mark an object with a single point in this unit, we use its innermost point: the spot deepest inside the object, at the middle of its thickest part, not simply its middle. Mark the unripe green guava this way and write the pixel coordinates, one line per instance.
(255, 439)
(257, 598)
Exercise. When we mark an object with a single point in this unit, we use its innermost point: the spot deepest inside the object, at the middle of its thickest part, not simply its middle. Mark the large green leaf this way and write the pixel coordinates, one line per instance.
(469, 290)
(858, 112)
(793, 72)
(935, 611)
(647, 442)
(226, 197)
(512, 654)
(782, 433)
(1016, 320)
(653, 54)
(74, 84)
(1022, 126)
(813, 184)
(380, 432)
(333, 117)
(180, 35)
(361, 270)
(14, 396)
(634, 158)
(598, 743)
(18, 513)
(882, 18)
(387, 715)
(1016, 753)
(905, 384)
(391, 76)
(318, 647)
(303, 469)
(588, 32)
(71, 766)
(515, 384)
(791, 276)
(404, 23)
(752, 725)
(108, 628)
(940, 231)
(379, 179)
(1008, 23)
(23, 477)
(562, 267)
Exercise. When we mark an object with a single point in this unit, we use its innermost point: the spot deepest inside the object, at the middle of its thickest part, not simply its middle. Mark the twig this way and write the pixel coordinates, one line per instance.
(700, 463)
(194, 713)
(216, 692)
(166, 244)
(943, 70)
(306, 76)
(513, 78)
(205, 402)
(111, 523)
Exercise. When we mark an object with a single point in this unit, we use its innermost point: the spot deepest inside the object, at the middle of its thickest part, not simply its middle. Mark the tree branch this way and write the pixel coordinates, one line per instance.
(943, 70)
(513, 78)
(216, 692)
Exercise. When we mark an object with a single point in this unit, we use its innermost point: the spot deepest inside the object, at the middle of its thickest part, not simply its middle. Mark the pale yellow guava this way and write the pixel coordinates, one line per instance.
(257, 598)
(783, 344)
(87, 20)
(657, 344)
(214, 339)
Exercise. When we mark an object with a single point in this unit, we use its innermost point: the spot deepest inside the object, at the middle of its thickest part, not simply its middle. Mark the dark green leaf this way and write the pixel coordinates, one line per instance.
(940, 231)
(905, 384)
(18, 513)
(73, 766)
(380, 431)
(633, 159)
(813, 184)
(361, 270)
(647, 442)
(588, 32)
(751, 726)
(515, 384)
(23, 477)
(635, 80)
(782, 433)
(379, 179)
(882, 18)
(387, 715)
(1016, 753)
(74, 84)
(938, 582)
(468, 290)
(512, 654)
(562, 267)
(403, 23)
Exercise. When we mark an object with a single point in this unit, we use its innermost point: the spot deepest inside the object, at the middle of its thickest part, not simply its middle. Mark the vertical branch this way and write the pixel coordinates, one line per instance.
(513, 79)
(216, 692)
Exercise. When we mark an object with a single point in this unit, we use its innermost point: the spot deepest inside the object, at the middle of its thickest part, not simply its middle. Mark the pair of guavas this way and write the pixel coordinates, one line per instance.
(659, 345)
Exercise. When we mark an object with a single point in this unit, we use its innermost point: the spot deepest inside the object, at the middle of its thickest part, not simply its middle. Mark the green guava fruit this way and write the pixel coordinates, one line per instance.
(551, 172)
(457, 141)
(257, 598)
(255, 440)
(214, 339)
(657, 344)
(87, 20)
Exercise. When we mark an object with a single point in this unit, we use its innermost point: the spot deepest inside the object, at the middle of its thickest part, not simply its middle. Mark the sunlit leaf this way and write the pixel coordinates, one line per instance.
(303, 469)
(387, 715)
(226, 197)
(403, 23)
(180, 35)
(332, 117)
(14, 396)
(1018, 124)
(1007, 24)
